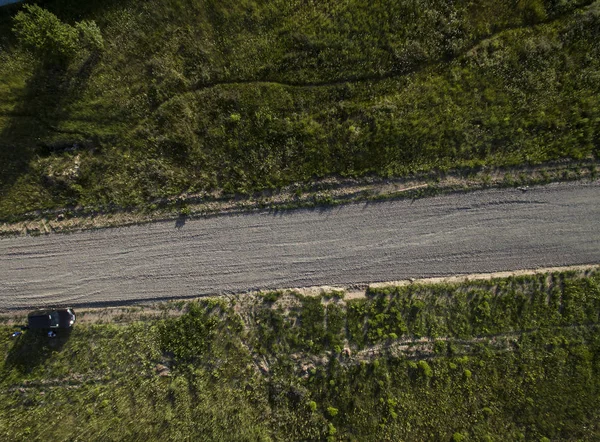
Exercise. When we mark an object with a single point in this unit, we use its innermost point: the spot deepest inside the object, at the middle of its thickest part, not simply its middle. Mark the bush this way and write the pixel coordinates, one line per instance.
(272, 296)
(44, 33)
(425, 368)
(89, 35)
(458, 437)
(53, 40)
(331, 411)
(189, 336)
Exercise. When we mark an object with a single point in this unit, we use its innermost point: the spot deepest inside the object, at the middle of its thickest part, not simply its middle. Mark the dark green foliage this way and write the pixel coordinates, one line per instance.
(488, 308)
(310, 327)
(197, 375)
(192, 96)
(44, 33)
(51, 39)
(376, 320)
(531, 392)
(507, 351)
(101, 384)
(272, 296)
(312, 324)
(190, 337)
(90, 36)
(335, 327)
(205, 334)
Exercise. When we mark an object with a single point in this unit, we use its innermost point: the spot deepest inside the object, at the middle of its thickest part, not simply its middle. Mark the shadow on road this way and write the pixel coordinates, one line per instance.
(33, 348)
(180, 221)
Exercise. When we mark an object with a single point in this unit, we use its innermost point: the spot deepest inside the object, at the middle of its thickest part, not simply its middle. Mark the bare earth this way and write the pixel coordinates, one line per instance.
(479, 232)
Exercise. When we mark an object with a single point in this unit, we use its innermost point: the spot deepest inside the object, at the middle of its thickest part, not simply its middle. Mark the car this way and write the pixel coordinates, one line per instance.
(51, 319)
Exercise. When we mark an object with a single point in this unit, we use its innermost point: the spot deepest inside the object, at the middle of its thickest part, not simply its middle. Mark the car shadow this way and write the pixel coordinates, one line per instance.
(33, 347)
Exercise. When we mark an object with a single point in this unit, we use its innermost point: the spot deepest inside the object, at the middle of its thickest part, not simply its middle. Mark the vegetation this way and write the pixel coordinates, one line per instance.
(183, 96)
(506, 359)
(51, 40)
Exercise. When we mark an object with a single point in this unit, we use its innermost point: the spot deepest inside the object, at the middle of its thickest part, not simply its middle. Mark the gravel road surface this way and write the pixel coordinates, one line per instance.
(484, 231)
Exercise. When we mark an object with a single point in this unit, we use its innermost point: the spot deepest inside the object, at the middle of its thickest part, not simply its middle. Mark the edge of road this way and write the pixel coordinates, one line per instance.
(136, 310)
(328, 192)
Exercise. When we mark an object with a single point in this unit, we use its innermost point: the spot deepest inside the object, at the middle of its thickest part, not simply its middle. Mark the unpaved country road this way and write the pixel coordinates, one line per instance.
(483, 231)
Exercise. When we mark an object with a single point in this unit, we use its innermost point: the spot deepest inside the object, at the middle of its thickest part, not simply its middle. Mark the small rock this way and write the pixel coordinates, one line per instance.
(162, 370)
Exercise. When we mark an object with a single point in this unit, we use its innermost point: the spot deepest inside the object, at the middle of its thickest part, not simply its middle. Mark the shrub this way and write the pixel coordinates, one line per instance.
(89, 35)
(53, 40)
(44, 33)
(190, 335)
(458, 437)
(272, 296)
(425, 368)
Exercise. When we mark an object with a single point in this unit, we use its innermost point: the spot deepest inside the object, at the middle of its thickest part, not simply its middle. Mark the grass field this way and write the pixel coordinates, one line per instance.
(504, 359)
(191, 96)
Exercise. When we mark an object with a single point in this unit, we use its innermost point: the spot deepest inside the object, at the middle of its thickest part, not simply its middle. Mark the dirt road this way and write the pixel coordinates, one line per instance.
(483, 231)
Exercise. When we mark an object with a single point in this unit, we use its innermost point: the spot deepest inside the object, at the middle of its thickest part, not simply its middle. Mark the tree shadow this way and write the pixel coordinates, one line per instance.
(36, 120)
(32, 348)
(33, 127)
(13, 157)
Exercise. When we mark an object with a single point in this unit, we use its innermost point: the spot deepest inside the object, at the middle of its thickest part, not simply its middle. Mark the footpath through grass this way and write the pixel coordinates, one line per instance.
(193, 96)
(506, 359)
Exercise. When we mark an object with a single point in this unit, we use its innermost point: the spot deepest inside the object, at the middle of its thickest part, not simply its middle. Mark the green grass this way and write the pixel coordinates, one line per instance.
(193, 96)
(506, 359)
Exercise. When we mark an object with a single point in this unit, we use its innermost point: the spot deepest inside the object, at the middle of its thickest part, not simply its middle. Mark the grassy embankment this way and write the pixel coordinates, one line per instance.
(506, 359)
(229, 96)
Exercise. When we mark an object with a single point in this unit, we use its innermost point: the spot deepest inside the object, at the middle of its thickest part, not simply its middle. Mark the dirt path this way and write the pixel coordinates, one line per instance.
(479, 232)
